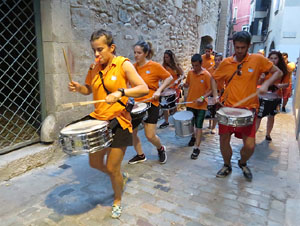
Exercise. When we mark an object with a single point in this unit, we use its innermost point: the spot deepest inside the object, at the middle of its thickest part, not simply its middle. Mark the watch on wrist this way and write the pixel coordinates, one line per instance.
(122, 91)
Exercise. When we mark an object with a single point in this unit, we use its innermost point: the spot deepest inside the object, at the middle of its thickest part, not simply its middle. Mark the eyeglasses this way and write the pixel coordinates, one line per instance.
(239, 68)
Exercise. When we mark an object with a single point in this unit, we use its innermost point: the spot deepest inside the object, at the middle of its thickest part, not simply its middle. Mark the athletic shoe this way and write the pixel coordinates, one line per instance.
(246, 171)
(268, 138)
(164, 125)
(225, 171)
(192, 141)
(162, 155)
(195, 153)
(116, 211)
(213, 131)
(283, 109)
(137, 159)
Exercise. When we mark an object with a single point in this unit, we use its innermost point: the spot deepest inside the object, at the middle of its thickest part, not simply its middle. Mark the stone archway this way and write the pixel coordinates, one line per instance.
(204, 41)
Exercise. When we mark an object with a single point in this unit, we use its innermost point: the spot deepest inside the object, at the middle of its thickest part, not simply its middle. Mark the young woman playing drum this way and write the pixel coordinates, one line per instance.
(107, 79)
(152, 72)
(269, 104)
(171, 65)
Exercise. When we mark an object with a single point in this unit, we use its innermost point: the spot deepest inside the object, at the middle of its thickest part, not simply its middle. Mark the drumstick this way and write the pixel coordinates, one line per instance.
(245, 99)
(180, 77)
(82, 103)
(67, 64)
(187, 102)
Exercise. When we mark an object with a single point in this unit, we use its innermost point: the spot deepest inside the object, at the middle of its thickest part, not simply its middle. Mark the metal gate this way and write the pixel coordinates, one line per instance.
(20, 102)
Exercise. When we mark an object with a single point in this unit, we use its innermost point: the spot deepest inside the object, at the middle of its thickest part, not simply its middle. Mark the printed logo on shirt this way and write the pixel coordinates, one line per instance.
(147, 72)
(113, 78)
(250, 70)
(201, 81)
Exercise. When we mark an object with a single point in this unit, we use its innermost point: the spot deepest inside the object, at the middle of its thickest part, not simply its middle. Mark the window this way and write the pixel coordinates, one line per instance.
(245, 28)
(234, 13)
(277, 5)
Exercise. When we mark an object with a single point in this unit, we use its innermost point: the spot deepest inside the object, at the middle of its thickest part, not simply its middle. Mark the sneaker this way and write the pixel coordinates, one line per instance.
(162, 155)
(125, 179)
(195, 153)
(283, 109)
(225, 171)
(137, 159)
(268, 138)
(213, 131)
(116, 211)
(192, 141)
(246, 171)
(164, 125)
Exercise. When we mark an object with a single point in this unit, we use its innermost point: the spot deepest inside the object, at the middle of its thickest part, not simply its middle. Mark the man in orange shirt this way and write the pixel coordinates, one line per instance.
(199, 83)
(208, 59)
(241, 73)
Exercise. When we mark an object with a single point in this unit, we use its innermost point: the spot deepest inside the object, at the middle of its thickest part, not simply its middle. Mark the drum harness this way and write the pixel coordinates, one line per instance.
(129, 106)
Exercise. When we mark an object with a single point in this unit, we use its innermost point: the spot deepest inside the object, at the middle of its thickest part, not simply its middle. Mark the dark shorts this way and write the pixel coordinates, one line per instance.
(268, 107)
(199, 116)
(121, 137)
(153, 115)
(239, 132)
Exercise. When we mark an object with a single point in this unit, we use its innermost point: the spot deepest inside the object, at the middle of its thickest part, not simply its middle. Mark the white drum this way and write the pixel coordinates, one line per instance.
(139, 110)
(85, 137)
(235, 117)
(183, 122)
(168, 99)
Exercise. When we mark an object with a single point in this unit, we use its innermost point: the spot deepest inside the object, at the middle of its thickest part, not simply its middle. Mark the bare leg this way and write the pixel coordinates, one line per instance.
(114, 160)
(137, 142)
(248, 149)
(214, 123)
(150, 133)
(166, 116)
(270, 124)
(257, 125)
(198, 137)
(284, 102)
(96, 160)
(225, 147)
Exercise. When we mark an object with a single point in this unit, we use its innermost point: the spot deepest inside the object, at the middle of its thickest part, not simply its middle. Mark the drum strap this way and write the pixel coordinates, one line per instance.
(106, 90)
(234, 73)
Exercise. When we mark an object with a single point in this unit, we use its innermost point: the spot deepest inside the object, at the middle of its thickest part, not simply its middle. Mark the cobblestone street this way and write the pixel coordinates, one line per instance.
(181, 192)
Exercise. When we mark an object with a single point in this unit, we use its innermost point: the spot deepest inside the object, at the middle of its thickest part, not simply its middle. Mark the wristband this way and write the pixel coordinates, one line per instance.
(122, 91)
(202, 97)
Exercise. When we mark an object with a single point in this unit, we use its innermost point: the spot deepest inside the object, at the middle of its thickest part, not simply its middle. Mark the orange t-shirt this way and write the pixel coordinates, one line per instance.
(113, 79)
(212, 70)
(208, 62)
(152, 72)
(199, 85)
(282, 80)
(174, 75)
(244, 85)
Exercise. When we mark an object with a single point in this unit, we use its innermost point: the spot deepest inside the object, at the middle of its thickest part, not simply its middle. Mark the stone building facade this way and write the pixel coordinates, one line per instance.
(169, 24)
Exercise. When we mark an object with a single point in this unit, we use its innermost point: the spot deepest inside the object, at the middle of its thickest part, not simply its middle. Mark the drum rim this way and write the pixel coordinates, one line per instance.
(104, 125)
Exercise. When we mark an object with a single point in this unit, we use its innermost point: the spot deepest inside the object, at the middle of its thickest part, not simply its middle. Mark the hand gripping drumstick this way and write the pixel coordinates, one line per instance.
(67, 64)
(245, 99)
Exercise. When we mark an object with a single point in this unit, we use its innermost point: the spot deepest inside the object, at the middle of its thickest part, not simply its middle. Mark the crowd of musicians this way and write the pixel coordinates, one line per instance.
(228, 82)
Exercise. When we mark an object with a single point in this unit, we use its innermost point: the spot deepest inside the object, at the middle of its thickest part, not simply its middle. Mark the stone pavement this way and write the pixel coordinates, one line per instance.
(181, 192)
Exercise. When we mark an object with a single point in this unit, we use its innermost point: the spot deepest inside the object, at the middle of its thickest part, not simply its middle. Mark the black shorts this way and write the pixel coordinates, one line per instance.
(267, 107)
(153, 114)
(121, 137)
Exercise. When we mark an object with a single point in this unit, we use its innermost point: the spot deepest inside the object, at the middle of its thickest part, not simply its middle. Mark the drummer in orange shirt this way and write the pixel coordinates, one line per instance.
(271, 110)
(171, 65)
(199, 83)
(241, 73)
(208, 59)
(152, 72)
(211, 70)
(116, 73)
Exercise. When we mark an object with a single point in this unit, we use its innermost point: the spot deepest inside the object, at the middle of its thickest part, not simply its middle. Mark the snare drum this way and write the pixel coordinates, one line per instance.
(85, 137)
(139, 110)
(183, 122)
(269, 104)
(235, 117)
(168, 99)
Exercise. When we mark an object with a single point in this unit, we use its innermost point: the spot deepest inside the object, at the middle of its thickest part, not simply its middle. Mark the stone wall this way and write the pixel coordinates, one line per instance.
(169, 24)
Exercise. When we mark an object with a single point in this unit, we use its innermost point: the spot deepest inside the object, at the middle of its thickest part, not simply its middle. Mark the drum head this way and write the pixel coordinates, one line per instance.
(139, 107)
(83, 127)
(183, 115)
(234, 112)
(168, 92)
